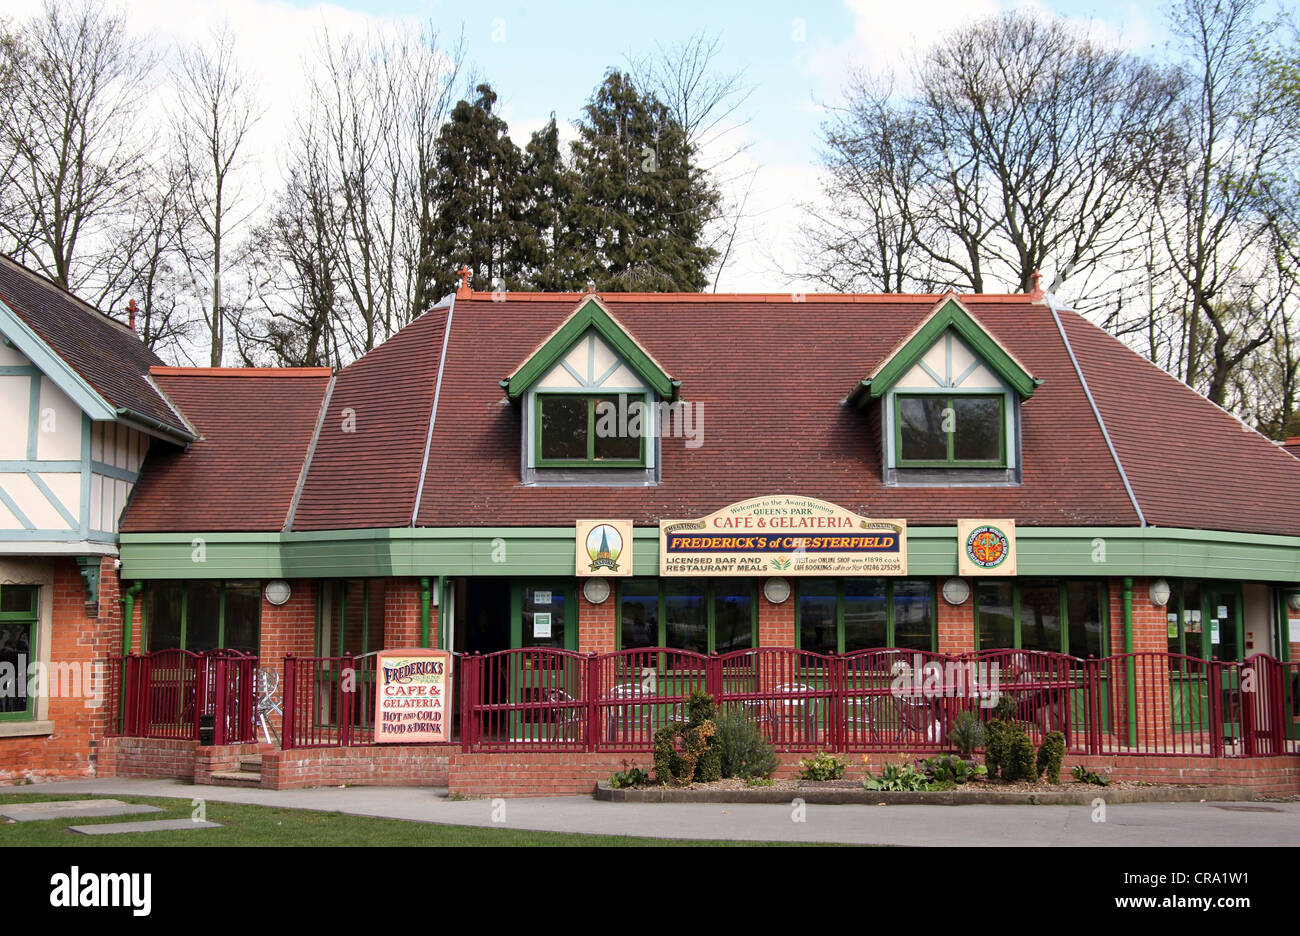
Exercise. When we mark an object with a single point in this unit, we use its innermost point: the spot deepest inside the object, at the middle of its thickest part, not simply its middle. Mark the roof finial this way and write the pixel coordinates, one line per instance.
(1037, 278)
(465, 274)
(591, 285)
(131, 307)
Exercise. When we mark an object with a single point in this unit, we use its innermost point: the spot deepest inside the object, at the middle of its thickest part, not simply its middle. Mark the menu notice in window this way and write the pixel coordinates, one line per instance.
(412, 696)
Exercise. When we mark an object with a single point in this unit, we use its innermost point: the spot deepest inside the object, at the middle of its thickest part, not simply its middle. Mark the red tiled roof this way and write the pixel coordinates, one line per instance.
(771, 377)
(1292, 445)
(367, 477)
(106, 354)
(255, 428)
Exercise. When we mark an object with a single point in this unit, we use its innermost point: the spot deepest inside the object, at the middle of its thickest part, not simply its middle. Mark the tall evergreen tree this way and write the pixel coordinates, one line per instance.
(480, 198)
(640, 203)
(548, 242)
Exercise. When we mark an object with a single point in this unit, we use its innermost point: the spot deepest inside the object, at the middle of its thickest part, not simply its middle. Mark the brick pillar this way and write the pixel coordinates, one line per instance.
(956, 625)
(402, 614)
(597, 623)
(1150, 675)
(775, 621)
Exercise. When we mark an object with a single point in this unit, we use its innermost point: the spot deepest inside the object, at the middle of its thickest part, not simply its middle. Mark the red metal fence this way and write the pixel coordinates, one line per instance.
(328, 701)
(167, 693)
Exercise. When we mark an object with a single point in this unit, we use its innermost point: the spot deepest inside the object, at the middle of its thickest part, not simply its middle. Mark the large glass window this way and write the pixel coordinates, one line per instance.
(351, 617)
(942, 430)
(202, 615)
(843, 615)
(17, 649)
(576, 430)
(1041, 614)
(705, 616)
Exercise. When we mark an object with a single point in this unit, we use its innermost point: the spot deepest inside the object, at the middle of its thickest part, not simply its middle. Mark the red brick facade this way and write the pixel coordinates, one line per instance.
(775, 622)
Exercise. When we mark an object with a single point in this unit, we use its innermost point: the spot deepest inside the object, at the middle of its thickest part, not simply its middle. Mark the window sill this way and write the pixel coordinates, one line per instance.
(26, 729)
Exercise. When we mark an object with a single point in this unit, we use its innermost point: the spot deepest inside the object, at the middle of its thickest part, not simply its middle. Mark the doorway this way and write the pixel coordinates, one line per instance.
(485, 626)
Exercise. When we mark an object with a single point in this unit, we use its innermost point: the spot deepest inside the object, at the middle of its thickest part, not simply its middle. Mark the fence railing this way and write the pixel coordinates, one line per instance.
(328, 701)
(888, 700)
(167, 693)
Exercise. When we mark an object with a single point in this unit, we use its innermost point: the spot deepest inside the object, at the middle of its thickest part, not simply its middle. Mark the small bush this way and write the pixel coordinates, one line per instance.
(1087, 776)
(628, 777)
(743, 751)
(1020, 760)
(1050, 754)
(966, 734)
(822, 766)
(950, 769)
(995, 745)
(903, 777)
(686, 753)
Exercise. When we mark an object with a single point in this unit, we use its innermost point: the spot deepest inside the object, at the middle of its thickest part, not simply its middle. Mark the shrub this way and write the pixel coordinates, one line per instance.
(966, 734)
(902, 777)
(743, 751)
(1020, 760)
(951, 769)
(628, 777)
(995, 745)
(1050, 754)
(822, 766)
(1087, 776)
(697, 757)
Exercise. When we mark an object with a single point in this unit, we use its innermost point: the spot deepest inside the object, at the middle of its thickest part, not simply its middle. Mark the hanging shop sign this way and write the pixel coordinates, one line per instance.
(783, 534)
(986, 547)
(604, 548)
(412, 696)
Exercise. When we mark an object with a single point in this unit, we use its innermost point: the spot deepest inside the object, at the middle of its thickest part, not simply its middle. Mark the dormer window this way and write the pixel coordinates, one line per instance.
(590, 397)
(591, 430)
(948, 430)
(949, 397)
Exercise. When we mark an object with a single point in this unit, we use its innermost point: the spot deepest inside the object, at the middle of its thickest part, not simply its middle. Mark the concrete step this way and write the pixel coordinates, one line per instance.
(236, 778)
(251, 764)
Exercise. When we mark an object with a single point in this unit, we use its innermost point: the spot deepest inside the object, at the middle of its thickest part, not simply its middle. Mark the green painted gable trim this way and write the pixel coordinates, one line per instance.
(932, 551)
(44, 358)
(590, 315)
(950, 315)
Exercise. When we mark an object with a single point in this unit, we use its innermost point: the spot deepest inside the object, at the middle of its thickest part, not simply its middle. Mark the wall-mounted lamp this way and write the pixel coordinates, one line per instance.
(1160, 592)
(956, 591)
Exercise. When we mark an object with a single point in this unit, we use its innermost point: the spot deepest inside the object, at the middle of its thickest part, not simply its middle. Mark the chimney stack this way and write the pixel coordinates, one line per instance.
(131, 307)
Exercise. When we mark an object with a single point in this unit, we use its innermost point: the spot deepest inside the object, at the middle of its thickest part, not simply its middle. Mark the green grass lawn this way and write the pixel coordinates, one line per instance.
(265, 825)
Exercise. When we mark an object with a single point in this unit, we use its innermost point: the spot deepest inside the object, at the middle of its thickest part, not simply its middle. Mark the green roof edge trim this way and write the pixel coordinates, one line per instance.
(950, 315)
(590, 315)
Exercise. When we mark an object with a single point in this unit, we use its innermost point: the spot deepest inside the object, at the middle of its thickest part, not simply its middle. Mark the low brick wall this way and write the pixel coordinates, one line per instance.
(534, 773)
(374, 765)
(1276, 776)
(146, 757)
(210, 760)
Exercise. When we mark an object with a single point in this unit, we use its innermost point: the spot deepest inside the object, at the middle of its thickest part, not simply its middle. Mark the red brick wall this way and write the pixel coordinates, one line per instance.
(597, 625)
(402, 614)
(374, 765)
(210, 760)
(146, 757)
(956, 624)
(775, 621)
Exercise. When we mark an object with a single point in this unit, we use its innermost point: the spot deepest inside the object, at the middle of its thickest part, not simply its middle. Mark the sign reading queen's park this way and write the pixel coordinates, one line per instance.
(783, 535)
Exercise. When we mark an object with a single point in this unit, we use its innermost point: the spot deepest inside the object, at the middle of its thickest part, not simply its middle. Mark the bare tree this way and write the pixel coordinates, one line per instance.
(72, 144)
(215, 109)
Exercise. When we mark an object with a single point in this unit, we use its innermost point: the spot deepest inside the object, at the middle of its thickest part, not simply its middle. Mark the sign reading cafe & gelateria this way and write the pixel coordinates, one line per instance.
(412, 696)
(783, 534)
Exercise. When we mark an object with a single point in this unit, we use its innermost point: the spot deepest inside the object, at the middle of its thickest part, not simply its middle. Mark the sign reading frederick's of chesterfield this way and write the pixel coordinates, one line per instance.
(783, 534)
(604, 547)
(986, 547)
(412, 696)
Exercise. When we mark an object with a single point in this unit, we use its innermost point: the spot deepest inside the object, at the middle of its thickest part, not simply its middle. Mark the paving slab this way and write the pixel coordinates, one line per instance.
(72, 809)
(151, 825)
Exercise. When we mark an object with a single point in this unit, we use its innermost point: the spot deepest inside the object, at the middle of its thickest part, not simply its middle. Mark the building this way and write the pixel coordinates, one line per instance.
(946, 474)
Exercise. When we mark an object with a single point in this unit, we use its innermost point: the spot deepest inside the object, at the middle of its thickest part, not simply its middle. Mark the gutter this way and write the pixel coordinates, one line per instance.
(1101, 423)
(433, 412)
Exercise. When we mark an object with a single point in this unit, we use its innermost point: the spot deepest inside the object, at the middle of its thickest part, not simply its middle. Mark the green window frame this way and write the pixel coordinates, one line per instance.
(187, 589)
(1019, 612)
(664, 590)
(1195, 638)
(948, 401)
(593, 400)
(336, 607)
(18, 622)
(847, 590)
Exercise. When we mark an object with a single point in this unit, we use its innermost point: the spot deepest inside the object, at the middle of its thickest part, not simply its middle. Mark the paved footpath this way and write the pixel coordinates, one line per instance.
(1181, 824)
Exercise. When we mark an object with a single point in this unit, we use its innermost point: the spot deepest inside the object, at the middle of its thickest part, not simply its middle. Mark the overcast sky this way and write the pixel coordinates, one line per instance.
(544, 57)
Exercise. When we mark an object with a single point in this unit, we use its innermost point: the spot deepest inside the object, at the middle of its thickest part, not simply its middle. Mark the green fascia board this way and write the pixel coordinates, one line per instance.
(49, 363)
(590, 315)
(505, 551)
(950, 315)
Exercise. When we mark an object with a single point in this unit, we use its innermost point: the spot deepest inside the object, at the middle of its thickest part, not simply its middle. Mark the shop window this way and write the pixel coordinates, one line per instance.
(936, 430)
(202, 615)
(544, 616)
(351, 617)
(1204, 620)
(591, 430)
(844, 615)
(18, 604)
(704, 616)
(1046, 614)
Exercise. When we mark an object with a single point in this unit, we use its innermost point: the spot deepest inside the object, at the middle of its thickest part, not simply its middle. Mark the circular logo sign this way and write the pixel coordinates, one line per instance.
(987, 547)
(604, 546)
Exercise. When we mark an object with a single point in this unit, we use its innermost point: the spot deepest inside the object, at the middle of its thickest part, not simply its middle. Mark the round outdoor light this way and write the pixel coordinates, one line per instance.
(956, 591)
(595, 590)
(1160, 592)
(776, 590)
(277, 592)
(1293, 601)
